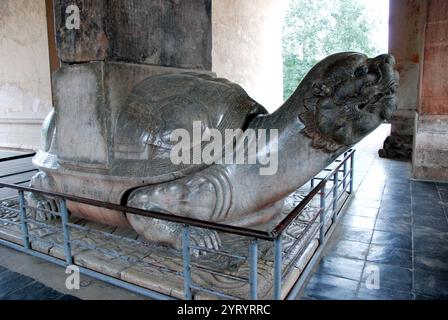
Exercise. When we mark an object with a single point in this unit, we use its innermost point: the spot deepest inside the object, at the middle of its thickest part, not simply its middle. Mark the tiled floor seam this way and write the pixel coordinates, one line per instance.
(370, 242)
(444, 205)
(412, 245)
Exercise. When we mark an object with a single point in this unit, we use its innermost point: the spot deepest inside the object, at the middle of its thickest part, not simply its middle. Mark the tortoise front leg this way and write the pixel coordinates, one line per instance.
(41, 205)
(166, 232)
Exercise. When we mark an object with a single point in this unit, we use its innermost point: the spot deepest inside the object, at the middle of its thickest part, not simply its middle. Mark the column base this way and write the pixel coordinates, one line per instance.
(397, 147)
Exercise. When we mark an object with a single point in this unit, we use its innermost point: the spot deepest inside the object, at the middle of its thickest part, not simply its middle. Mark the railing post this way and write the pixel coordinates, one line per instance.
(186, 261)
(344, 169)
(312, 183)
(352, 170)
(66, 232)
(278, 268)
(23, 222)
(322, 215)
(335, 194)
(253, 264)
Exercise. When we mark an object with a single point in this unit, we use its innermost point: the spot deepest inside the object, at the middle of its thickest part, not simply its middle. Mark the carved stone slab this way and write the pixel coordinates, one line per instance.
(165, 33)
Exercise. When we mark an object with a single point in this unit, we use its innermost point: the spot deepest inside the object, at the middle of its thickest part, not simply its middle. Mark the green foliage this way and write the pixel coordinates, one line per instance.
(313, 30)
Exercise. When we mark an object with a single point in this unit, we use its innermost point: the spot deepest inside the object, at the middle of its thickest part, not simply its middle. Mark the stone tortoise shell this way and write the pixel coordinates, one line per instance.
(160, 104)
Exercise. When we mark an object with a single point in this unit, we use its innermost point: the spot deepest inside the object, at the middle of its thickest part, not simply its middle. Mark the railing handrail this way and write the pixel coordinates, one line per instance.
(20, 156)
(296, 211)
(264, 235)
(146, 213)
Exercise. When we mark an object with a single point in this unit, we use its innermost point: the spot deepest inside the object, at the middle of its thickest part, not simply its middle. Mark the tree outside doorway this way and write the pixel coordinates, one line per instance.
(313, 30)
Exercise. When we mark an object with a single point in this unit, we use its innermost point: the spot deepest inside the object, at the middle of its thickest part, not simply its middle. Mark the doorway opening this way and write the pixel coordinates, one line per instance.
(313, 30)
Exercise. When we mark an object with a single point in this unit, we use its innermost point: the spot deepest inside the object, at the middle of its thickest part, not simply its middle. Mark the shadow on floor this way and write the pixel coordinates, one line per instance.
(392, 241)
(16, 286)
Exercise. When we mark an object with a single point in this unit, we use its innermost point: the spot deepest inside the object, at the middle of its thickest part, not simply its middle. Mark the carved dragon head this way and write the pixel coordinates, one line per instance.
(347, 95)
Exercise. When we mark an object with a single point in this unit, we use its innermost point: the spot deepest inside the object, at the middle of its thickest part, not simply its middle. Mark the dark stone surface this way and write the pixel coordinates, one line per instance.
(324, 287)
(351, 249)
(390, 255)
(430, 284)
(393, 239)
(427, 207)
(167, 33)
(395, 207)
(399, 227)
(89, 42)
(432, 261)
(383, 294)
(341, 267)
(34, 291)
(68, 297)
(391, 277)
(16, 286)
(435, 222)
(355, 234)
(11, 281)
(408, 244)
(390, 212)
(2, 269)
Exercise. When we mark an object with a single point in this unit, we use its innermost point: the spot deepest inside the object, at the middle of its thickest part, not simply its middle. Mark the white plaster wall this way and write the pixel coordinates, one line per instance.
(247, 47)
(25, 89)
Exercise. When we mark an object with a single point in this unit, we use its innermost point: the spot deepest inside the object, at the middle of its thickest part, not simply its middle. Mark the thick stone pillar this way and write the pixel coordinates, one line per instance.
(167, 33)
(430, 154)
(105, 48)
(406, 25)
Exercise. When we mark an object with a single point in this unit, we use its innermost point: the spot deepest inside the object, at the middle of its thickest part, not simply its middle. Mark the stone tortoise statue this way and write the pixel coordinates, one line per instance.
(341, 100)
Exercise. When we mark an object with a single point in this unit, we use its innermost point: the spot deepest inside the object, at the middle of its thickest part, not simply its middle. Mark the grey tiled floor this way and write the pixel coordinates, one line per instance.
(393, 226)
(396, 226)
(16, 286)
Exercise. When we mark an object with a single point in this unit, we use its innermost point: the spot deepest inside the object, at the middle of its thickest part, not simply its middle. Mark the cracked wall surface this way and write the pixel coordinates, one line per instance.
(25, 90)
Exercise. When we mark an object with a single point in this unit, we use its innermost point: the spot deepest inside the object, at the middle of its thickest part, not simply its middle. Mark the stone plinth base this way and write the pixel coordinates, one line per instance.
(399, 144)
(430, 158)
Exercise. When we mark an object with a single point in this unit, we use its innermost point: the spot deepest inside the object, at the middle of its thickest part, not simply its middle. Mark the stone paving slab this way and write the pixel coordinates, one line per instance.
(16, 286)
(404, 225)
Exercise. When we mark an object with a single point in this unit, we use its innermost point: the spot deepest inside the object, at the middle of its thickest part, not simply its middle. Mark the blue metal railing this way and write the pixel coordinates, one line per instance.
(340, 183)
